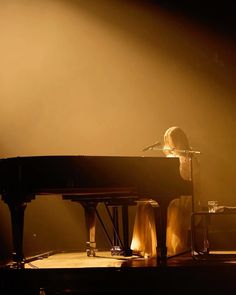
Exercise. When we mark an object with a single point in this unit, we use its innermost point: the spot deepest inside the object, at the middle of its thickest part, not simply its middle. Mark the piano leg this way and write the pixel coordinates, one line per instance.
(125, 222)
(90, 220)
(17, 224)
(160, 212)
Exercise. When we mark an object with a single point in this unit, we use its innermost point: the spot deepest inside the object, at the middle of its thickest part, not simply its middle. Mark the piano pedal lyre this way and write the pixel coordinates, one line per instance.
(117, 250)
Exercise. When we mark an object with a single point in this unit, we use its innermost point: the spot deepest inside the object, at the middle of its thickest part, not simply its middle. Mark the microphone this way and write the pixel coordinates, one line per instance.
(152, 146)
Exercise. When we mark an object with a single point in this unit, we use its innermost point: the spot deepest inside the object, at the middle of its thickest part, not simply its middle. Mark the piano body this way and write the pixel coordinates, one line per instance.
(89, 180)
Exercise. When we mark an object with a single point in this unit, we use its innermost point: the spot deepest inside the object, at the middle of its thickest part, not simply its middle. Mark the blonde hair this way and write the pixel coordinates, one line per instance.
(175, 138)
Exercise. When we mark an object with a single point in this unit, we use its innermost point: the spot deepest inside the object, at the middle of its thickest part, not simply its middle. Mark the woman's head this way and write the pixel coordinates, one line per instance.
(176, 139)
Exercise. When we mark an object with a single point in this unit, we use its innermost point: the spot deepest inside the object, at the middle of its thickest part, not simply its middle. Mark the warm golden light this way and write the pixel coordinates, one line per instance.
(109, 77)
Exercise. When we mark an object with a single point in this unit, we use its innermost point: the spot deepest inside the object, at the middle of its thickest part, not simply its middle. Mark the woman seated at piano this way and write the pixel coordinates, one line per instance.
(144, 238)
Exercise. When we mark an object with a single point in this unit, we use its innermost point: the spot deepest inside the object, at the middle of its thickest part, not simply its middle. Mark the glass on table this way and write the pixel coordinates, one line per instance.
(212, 206)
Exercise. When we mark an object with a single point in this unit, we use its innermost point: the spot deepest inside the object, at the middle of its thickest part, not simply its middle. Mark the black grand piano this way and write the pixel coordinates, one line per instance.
(90, 180)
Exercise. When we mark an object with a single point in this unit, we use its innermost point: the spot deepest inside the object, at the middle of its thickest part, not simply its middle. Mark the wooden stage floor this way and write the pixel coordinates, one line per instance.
(75, 273)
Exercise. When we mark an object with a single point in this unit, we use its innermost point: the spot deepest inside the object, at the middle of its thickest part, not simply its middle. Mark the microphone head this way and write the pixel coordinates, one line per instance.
(152, 146)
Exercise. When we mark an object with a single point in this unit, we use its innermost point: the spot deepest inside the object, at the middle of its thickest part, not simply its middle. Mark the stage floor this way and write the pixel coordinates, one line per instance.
(76, 273)
(81, 260)
(73, 259)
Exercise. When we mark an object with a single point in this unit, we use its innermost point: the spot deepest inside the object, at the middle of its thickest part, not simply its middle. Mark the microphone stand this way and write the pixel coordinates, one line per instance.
(172, 150)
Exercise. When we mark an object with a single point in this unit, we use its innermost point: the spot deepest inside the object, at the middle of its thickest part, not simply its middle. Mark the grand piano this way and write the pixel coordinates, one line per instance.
(89, 180)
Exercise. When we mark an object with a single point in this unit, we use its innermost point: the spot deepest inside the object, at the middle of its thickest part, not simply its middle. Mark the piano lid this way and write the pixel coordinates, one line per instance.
(147, 175)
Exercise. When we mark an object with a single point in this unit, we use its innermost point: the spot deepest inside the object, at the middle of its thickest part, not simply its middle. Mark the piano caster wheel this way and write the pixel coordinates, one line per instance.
(91, 252)
(91, 249)
(18, 265)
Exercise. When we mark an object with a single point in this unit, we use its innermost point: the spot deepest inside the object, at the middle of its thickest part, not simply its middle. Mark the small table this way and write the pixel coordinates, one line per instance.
(201, 248)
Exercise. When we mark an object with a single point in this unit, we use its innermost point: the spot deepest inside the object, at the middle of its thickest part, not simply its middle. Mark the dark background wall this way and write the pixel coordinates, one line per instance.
(107, 78)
